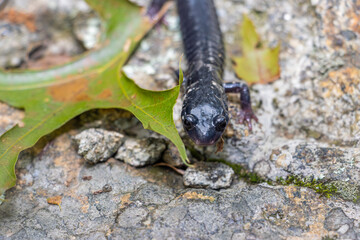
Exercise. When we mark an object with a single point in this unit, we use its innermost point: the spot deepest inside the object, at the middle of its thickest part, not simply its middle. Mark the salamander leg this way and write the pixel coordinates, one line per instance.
(246, 112)
(154, 7)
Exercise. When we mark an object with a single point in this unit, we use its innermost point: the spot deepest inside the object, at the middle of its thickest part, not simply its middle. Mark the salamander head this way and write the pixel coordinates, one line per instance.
(204, 118)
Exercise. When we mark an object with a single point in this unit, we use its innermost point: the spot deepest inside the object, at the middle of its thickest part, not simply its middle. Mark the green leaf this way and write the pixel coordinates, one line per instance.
(52, 97)
(258, 64)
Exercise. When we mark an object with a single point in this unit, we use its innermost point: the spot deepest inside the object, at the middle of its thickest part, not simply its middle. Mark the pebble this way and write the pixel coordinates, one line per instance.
(97, 145)
(348, 35)
(213, 175)
(141, 152)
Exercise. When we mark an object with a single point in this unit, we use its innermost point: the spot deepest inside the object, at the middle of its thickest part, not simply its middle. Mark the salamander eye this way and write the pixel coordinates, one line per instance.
(220, 123)
(189, 121)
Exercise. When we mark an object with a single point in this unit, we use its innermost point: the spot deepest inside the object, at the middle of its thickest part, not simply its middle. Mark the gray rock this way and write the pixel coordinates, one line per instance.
(151, 194)
(211, 175)
(308, 125)
(97, 145)
(336, 219)
(172, 156)
(87, 29)
(131, 217)
(141, 152)
(16, 39)
(348, 35)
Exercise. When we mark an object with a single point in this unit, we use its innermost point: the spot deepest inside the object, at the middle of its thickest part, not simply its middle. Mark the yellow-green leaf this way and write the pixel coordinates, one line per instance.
(258, 64)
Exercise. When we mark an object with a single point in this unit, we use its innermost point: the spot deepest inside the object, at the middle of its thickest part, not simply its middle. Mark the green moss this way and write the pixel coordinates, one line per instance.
(326, 190)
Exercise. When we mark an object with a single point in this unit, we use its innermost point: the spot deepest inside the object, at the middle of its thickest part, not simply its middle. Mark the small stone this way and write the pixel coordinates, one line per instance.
(107, 188)
(348, 35)
(172, 156)
(211, 175)
(141, 152)
(97, 145)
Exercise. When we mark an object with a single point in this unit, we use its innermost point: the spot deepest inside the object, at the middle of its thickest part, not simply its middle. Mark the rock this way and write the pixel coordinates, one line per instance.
(335, 219)
(87, 29)
(9, 117)
(211, 175)
(132, 217)
(16, 39)
(308, 125)
(97, 145)
(172, 156)
(141, 152)
(348, 35)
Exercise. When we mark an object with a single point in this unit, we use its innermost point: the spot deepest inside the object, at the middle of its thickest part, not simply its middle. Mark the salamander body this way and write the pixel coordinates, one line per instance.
(205, 110)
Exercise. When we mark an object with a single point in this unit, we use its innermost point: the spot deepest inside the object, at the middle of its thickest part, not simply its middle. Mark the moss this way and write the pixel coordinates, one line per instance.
(323, 189)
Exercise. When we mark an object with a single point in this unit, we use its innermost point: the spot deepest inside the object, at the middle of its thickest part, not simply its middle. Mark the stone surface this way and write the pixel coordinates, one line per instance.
(97, 145)
(87, 29)
(309, 126)
(141, 152)
(211, 175)
(172, 156)
(34, 34)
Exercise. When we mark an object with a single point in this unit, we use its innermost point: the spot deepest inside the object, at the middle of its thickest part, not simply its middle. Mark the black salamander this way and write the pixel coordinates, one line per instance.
(205, 111)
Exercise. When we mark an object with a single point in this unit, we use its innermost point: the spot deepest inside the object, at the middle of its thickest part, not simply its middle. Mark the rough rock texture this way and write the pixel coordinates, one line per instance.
(141, 152)
(172, 156)
(309, 126)
(87, 29)
(97, 145)
(151, 203)
(34, 34)
(209, 175)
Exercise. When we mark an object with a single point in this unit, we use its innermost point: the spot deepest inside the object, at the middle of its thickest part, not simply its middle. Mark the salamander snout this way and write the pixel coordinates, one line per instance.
(204, 128)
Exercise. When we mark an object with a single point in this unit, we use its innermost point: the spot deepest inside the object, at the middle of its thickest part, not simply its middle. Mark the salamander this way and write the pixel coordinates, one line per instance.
(205, 112)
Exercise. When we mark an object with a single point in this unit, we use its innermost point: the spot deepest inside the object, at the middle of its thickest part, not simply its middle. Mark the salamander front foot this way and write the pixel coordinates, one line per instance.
(244, 116)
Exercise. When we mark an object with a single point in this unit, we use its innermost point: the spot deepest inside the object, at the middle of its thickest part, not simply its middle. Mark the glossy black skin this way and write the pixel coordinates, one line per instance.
(205, 111)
